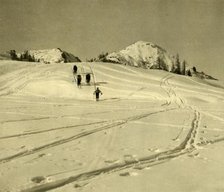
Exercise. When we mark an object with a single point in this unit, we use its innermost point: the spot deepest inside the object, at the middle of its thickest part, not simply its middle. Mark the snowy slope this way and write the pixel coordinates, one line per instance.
(149, 125)
(143, 54)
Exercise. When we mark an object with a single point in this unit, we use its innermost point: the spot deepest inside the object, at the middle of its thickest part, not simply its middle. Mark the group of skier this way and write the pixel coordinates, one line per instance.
(97, 92)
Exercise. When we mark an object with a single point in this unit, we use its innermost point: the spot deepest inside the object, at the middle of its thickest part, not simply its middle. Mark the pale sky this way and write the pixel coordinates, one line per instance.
(192, 28)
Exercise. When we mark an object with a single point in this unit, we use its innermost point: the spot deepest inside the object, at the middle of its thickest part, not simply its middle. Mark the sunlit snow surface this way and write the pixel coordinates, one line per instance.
(150, 131)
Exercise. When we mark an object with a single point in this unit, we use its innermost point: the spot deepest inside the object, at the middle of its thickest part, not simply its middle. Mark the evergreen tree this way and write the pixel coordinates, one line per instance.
(26, 55)
(189, 73)
(13, 54)
(177, 65)
(159, 63)
(31, 58)
(102, 57)
(172, 68)
(194, 69)
(183, 71)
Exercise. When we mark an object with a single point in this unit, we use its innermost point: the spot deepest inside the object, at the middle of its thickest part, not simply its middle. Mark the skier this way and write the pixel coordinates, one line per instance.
(88, 77)
(97, 92)
(79, 79)
(75, 68)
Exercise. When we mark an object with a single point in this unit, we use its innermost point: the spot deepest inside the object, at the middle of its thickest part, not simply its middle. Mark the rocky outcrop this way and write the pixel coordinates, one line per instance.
(5, 56)
(47, 56)
(68, 57)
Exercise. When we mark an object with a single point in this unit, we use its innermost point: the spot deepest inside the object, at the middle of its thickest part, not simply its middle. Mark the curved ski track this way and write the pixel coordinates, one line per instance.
(77, 136)
(188, 145)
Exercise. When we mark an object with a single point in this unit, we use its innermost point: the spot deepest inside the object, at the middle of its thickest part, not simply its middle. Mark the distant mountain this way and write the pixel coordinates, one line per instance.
(151, 56)
(143, 54)
(45, 56)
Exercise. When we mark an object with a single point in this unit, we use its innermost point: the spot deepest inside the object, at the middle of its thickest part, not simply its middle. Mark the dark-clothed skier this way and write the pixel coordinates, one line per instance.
(75, 68)
(97, 92)
(88, 77)
(79, 79)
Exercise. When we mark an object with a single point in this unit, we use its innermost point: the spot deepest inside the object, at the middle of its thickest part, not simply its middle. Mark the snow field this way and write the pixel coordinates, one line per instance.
(147, 127)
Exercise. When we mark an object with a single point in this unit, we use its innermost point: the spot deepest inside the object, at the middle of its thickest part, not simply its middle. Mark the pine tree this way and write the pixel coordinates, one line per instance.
(31, 58)
(13, 54)
(194, 69)
(189, 73)
(172, 68)
(183, 71)
(159, 63)
(26, 55)
(102, 57)
(177, 64)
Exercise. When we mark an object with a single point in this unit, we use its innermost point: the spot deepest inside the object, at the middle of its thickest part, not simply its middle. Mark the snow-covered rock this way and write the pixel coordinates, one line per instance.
(143, 54)
(5, 56)
(48, 56)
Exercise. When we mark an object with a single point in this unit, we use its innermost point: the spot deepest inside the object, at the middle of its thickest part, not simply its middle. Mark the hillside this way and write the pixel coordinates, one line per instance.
(44, 56)
(149, 125)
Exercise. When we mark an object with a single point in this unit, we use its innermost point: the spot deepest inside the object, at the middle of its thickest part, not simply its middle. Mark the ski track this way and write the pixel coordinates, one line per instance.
(14, 85)
(77, 136)
(107, 143)
(30, 119)
(123, 81)
(188, 145)
(49, 130)
(206, 87)
(23, 77)
(213, 116)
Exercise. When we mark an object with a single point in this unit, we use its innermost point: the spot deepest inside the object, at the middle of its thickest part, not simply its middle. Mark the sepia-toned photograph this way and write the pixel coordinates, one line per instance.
(111, 95)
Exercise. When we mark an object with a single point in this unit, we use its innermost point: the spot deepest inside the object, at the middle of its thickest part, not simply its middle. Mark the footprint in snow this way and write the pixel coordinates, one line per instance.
(38, 179)
(125, 174)
(77, 185)
(130, 158)
(111, 161)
